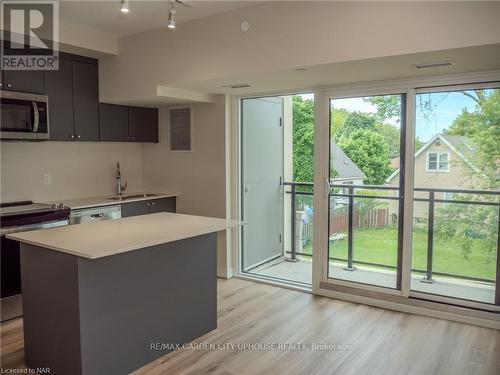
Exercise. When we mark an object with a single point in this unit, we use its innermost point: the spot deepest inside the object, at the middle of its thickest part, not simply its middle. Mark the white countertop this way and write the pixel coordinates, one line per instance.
(111, 237)
(76, 204)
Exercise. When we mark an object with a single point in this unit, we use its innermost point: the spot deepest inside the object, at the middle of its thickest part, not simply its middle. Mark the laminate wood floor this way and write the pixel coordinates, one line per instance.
(369, 340)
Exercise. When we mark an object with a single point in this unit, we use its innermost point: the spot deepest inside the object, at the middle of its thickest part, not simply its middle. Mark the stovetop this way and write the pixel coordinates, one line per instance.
(28, 208)
(27, 212)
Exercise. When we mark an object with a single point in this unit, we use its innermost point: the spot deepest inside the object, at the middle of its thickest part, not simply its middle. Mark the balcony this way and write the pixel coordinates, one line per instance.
(365, 239)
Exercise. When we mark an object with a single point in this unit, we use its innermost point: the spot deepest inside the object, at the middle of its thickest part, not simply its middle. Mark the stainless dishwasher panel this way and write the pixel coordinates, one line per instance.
(88, 215)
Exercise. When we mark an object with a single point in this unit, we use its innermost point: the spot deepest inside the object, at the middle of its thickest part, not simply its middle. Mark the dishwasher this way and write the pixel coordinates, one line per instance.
(89, 215)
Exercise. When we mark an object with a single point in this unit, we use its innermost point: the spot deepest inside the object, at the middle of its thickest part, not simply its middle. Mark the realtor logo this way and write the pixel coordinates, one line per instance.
(30, 35)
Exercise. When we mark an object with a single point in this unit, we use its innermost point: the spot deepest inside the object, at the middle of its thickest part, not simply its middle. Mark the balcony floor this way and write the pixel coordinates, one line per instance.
(301, 271)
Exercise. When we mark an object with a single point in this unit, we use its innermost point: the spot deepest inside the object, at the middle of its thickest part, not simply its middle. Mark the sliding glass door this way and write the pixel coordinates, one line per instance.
(412, 178)
(456, 197)
(364, 241)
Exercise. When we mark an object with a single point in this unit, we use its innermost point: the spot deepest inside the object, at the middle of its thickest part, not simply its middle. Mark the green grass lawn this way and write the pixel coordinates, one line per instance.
(379, 245)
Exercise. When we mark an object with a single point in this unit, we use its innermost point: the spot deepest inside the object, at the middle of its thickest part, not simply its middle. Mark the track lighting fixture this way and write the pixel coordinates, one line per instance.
(172, 16)
(125, 6)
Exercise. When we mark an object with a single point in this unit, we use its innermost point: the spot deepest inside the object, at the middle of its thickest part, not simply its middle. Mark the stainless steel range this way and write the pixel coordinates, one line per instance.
(20, 217)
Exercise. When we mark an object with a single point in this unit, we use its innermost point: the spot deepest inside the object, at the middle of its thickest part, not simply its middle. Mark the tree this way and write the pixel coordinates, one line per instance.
(303, 139)
(391, 136)
(388, 106)
(354, 121)
(370, 152)
(466, 223)
(482, 127)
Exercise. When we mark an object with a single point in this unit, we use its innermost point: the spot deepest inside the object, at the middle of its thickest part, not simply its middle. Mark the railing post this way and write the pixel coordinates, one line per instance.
(430, 239)
(497, 285)
(294, 215)
(350, 230)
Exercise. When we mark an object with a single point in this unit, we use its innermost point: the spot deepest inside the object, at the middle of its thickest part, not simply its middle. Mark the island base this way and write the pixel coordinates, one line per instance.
(115, 314)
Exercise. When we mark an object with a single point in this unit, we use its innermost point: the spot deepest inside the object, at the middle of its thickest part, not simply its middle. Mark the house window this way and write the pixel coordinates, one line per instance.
(438, 161)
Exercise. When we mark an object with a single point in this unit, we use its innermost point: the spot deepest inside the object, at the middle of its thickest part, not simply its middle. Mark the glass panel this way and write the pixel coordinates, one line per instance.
(456, 214)
(287, 196)
(443, 162)
(364, 199)
(16, 115)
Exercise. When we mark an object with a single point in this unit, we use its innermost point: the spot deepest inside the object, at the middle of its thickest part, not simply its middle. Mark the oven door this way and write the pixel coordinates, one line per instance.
(24, 116)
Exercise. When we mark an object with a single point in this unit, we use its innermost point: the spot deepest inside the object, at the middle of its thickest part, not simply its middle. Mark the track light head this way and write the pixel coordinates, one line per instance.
(125, 6)
(172, 15)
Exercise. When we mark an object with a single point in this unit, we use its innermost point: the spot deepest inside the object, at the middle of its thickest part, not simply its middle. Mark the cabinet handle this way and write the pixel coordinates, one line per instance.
(147, 204)
(78, 136)
(9, 85)
(133, 138)
(128, 137)
(152, 203)
(72, 136)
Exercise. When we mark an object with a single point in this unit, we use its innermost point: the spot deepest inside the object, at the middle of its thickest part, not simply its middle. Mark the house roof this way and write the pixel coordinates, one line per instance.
(459, 144)
(345, 167)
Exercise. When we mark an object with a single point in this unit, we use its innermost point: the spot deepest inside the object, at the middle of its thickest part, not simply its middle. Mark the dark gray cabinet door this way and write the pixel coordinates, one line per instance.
(32, 81)
(59, 88)
(113, 123)
(143, 124)
(135, 208)
(163, 205)
(149, 207)
(86, 101)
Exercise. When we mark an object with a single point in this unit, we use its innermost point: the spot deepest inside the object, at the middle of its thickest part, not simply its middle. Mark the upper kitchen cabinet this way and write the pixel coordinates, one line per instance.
(143, 124)
(113, 123)
(73, 93)
(32, 81)
(59, 88)
(86, 101)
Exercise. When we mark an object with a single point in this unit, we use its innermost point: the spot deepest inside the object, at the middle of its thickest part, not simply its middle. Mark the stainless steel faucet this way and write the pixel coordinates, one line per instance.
(120, 187)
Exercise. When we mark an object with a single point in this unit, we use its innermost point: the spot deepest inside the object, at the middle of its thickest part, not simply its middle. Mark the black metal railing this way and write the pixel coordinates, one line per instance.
(305, 186)
(348, 191)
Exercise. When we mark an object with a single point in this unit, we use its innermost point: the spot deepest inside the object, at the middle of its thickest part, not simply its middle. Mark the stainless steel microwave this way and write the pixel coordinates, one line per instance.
(24, 116)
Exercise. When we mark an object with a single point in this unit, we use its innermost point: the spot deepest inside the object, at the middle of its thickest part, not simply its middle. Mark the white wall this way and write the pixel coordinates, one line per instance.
(78, 169)
(200, 175)
(292, 34)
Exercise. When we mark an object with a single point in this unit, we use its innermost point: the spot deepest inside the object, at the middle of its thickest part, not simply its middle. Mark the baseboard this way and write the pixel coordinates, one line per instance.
(225, 273)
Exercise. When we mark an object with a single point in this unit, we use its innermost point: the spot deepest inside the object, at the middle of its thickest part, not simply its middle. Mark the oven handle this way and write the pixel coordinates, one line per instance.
(36, 117)
(24, 228)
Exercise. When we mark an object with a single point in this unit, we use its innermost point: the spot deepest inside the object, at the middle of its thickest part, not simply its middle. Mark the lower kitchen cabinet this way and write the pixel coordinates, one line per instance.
(149, 206)
(163, 205)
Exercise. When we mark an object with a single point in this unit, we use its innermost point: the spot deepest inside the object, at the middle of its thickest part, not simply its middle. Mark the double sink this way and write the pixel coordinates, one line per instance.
(131, 196)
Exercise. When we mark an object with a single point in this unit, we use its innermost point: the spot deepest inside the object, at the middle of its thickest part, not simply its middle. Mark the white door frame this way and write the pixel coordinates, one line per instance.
(322, 171)
(410, 87)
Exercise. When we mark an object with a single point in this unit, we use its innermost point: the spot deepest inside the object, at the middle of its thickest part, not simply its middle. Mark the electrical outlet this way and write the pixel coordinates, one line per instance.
(47, 179)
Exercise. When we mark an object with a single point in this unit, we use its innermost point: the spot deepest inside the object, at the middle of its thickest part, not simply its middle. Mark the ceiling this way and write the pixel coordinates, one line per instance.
(105, 15)
(470, 59)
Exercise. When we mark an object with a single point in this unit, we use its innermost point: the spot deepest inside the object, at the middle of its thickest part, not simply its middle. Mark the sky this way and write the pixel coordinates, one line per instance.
(445, 108)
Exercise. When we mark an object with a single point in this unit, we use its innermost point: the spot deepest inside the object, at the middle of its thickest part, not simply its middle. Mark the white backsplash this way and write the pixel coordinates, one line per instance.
(76, 169)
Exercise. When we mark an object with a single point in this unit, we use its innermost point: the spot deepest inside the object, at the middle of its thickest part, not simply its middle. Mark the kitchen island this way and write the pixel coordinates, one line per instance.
(109, 297)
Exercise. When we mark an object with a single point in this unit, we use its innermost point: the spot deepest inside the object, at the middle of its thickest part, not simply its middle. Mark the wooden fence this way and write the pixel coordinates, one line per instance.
(339, 221)
(373, 218)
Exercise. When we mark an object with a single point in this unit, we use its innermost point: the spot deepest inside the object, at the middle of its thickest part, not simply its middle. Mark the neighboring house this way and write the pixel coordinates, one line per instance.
(443, 162)
(395, 163)
(347, 171)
